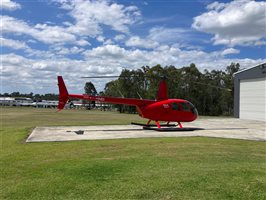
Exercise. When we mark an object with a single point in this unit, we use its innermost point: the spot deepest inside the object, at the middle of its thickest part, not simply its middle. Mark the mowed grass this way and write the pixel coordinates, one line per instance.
(158, 168)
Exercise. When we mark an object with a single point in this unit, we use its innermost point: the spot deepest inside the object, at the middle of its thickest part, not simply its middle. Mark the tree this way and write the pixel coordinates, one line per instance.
(229, 83)
(90, 90)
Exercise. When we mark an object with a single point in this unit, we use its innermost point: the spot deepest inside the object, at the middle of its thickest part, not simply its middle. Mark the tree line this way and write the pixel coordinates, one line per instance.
(210, 91)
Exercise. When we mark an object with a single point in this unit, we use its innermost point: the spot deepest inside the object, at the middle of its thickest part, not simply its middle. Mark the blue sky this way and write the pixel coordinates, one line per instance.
(43, 39)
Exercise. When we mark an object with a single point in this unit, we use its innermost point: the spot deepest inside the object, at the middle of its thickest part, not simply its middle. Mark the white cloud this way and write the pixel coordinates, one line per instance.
(9, 5)
(108, 41)
(42, 32)
(230, 51)
(167, 55)
(159, 36)
(40, 54)
(67, 51)
(216, 6)
(13, 44)
(89, 19)
(40, 74)
(100, 38)
(103, 40)
(91, 15)
(82, 42)
(136, 41)
(166, 35)
(106, 51)
(52, 34)
(240, 22)
(119, 37)
(10, 24)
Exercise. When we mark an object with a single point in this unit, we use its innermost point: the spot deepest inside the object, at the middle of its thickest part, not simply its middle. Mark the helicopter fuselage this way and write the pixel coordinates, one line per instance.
(161, 109)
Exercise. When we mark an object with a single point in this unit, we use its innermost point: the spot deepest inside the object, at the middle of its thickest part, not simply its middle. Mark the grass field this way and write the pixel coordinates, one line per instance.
(158, 168)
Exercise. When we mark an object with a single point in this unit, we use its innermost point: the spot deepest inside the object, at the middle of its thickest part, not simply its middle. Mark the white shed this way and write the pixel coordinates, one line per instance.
(250, 93)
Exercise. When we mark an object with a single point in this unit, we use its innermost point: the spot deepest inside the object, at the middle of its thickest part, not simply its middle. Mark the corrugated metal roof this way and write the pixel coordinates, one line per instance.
(250, 68)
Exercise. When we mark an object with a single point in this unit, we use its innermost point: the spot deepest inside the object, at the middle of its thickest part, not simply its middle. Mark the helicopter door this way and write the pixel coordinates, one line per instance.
(175, 106)
(175, 111)
(185, 107)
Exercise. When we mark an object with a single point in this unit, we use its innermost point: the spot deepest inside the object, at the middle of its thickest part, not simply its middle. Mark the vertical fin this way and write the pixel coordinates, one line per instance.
(63, 94)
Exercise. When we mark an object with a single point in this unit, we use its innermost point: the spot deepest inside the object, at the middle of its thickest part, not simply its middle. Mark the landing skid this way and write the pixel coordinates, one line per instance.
(153, 125)
(168, 129)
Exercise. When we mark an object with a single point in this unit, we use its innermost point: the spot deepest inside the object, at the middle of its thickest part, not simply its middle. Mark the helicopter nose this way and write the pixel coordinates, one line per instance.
(196, 113)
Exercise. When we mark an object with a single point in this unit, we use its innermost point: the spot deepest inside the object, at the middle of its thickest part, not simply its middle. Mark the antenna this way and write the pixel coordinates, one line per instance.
(139, 95)
(121, 94)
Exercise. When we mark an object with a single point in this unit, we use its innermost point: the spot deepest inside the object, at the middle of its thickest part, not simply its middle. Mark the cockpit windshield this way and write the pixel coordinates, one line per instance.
(184, 106)
(193, 109)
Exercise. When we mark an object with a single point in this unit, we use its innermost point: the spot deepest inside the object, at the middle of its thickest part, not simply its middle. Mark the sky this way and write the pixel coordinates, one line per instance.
(41, 39)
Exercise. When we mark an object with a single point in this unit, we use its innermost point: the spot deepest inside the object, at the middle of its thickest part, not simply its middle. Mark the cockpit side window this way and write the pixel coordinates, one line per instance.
(175, 106)
(185, 107)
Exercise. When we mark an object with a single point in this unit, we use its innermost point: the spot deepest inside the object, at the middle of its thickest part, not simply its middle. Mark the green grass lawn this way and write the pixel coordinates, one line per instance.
(158, 168)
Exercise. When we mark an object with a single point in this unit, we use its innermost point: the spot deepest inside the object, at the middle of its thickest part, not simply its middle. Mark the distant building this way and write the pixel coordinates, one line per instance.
(23, 101)
(45, 104)
(18, 101)
(250, 93)
(7, 101)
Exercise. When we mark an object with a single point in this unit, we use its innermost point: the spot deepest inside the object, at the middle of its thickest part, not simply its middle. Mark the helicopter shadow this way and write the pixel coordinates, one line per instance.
(170, 129)
(81, 132)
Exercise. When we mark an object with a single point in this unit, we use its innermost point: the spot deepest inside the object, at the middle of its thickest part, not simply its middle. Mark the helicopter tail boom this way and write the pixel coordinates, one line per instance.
(63, 93)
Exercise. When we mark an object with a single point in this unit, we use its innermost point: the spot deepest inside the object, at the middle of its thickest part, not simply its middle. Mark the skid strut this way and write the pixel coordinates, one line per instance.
(180, 125)
(158, 124)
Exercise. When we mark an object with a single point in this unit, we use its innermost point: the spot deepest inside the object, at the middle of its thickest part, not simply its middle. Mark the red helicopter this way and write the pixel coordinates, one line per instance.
(160, 109)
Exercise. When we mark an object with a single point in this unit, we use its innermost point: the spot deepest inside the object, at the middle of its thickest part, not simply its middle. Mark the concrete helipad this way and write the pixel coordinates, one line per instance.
(214, 127)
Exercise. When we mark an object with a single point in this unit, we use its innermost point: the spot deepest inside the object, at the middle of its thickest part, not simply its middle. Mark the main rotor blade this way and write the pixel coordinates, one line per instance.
(112, 76)
(162, 78)
(208, 85)
(100, 77)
